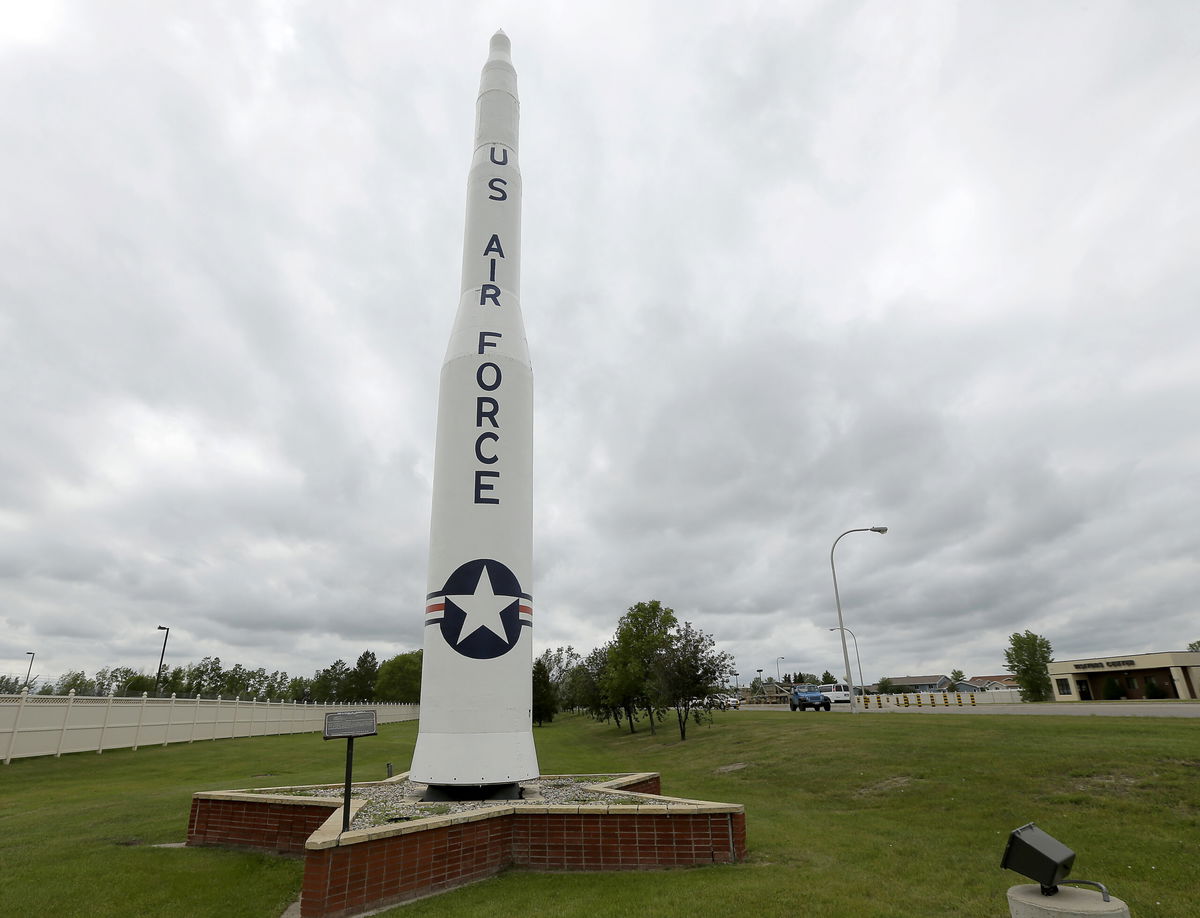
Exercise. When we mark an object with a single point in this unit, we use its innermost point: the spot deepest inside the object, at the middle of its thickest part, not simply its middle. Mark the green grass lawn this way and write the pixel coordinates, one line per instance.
(873, 815)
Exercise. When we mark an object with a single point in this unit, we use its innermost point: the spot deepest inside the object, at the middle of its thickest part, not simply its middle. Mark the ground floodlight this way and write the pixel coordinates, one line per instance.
(1034, 854)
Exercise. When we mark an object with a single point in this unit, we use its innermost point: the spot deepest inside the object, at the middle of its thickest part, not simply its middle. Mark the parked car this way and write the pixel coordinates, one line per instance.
(722, 702)
(839, 692)
(806, 695)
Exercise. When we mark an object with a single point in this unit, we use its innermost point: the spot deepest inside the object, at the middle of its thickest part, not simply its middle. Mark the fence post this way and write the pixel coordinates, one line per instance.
(66, 719)
(195, 717)
(216, 718)
(170, 713)
(237, 703)
(12, 739)
(137, 734)
(107, 717)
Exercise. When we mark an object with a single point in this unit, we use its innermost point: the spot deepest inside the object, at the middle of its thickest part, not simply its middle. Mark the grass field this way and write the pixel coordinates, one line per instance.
(876, 815)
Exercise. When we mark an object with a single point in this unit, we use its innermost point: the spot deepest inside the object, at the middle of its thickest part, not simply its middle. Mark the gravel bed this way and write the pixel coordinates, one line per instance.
(400, 801)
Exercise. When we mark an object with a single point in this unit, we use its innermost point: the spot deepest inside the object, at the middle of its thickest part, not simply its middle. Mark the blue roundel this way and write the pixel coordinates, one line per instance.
(482, 615)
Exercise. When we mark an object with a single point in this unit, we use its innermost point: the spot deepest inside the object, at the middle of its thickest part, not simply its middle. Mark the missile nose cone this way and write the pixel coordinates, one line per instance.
(500, 48)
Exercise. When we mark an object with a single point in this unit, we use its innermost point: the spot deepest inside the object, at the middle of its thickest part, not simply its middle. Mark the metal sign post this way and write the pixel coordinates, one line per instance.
(347, 725)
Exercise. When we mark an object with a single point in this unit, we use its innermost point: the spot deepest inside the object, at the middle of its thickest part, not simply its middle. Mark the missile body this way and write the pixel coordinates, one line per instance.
(476, 687)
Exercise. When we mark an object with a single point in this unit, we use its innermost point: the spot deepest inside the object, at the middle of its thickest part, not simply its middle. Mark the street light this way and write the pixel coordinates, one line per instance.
(861, 684)
(161, 657)
(838, 600)
(778, 678)
(31, 654)
(760, 686)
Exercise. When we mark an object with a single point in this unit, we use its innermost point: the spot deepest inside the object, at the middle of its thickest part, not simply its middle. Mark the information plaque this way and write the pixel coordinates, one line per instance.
(349, 724)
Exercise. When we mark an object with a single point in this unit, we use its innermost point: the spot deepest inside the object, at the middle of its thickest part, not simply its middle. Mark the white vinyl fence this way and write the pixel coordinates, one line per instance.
(53, 724)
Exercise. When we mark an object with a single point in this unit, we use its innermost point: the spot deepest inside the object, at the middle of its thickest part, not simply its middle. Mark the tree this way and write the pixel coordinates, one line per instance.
(886, 686)
(756, 688)
(360, 686)
(545, 702)
(1194, 647)
(689, 670)
(588, 682)
(237, 682)
(622, 686)
(332, 682)
(205, 677)
(956, 676)
(1026, 658)
(399, 679)
(559, 664)
(299, 688)
(139, 683)
(643, 634)
(827, 677)
(174, 680)
(74, 681)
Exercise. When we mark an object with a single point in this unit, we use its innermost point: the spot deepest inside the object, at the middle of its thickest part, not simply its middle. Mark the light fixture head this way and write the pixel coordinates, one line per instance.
(879, 529)
(163, 628)
(1038, 856)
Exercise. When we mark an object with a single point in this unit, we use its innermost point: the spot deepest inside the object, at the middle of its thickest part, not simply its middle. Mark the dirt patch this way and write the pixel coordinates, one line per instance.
(736, 766)
(1109, 784)
(897, 783)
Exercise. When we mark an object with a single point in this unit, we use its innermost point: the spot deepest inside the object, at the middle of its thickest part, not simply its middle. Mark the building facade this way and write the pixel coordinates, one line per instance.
(1173, 674)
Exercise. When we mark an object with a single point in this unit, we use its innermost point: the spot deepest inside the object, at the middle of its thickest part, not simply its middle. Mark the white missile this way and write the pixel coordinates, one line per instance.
(476, 688)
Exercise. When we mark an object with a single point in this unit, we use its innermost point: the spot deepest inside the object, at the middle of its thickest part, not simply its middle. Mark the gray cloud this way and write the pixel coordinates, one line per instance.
(785, 273)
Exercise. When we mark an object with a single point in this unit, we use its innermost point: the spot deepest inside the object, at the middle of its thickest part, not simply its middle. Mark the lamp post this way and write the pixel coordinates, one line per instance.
(838, 599)
(778, 678)
(736, 685)
(162, 656)
(29, 671)
(760, 686)
(857, 658)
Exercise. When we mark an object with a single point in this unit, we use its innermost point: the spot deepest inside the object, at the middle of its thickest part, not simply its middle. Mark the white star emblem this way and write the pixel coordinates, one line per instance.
(482, 608)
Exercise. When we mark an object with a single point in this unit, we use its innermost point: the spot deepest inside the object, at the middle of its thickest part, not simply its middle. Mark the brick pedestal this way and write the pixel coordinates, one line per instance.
(349, 873)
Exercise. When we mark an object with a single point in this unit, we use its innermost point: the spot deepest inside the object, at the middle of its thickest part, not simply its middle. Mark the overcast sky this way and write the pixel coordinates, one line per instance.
(789, 269)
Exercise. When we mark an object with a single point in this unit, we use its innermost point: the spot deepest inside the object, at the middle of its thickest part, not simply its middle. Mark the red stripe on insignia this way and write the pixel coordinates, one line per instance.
(527, 610)
(435, 607)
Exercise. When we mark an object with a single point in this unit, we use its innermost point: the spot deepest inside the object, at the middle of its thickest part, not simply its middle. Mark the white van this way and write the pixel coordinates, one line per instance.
(839, 692)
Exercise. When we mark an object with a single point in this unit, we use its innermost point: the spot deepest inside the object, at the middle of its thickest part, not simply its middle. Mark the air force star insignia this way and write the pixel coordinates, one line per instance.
(481, 609)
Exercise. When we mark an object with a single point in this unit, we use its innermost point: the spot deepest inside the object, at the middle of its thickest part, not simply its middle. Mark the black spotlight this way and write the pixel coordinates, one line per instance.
(1034, 854)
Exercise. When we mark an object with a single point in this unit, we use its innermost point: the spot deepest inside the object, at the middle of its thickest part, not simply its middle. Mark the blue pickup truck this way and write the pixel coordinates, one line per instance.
(806, 696)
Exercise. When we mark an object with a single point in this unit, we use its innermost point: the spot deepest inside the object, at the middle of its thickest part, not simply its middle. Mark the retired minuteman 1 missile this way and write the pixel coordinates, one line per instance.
(476, 688)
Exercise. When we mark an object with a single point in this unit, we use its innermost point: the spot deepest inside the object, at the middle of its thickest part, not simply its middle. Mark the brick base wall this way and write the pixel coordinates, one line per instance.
(650, 785)
(350, 875)
(352, 878)
(253, 824)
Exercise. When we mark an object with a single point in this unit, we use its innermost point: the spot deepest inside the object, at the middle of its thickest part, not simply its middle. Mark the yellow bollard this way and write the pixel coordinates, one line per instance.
(972, 699)
(959, 696)
(945, 699)
(906, 701)
(918, 699)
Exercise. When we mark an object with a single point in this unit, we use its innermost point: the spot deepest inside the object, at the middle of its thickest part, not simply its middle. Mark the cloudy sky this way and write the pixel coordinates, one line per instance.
(789, 269)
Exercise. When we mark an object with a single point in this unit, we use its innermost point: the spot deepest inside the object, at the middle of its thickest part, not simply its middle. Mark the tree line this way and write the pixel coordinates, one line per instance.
(653, 665)
(395, 680)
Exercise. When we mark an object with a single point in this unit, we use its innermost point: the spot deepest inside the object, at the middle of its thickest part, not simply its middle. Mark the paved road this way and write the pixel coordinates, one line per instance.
(1075, 709)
